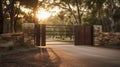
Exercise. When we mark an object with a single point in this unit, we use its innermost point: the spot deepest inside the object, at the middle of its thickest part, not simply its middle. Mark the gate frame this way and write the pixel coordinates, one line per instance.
(83, 35)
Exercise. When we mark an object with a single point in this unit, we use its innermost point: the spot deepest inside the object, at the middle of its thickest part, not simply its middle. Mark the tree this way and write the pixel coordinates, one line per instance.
(12, 14)
(1, 17)
(33, 4)
(112, 9)
(104, 11)
(3, 12)
(11, 9)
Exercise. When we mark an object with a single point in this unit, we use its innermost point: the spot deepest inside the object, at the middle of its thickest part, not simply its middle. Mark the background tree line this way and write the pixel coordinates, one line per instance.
(73, 12)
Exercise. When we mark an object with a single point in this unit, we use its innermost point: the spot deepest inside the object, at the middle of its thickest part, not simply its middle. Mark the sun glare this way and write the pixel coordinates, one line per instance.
(43, 14)
(26, 10)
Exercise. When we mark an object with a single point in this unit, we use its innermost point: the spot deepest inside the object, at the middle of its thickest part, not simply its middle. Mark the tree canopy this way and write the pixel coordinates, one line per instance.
(88, 12)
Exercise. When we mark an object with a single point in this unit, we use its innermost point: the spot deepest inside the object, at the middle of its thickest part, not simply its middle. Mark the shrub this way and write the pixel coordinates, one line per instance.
(10, 47)
(115, 44)
(2, 41)
(27, 45)
(101, 42)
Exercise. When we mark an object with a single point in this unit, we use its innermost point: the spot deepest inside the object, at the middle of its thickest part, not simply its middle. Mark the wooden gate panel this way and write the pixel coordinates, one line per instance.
(37, 34)
(76, 33)
(43, 39)
(88, 35)
(40, 35)
(83, 35)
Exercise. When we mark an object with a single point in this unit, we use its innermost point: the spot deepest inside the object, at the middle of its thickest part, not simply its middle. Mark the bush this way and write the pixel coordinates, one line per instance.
(2, 41)
(115, 44)
(10, 47)
(102, 43)
(27, 45)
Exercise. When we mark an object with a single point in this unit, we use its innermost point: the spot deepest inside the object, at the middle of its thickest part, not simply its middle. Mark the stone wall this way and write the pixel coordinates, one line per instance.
(16, 38)
(97, 34)
(105, 39)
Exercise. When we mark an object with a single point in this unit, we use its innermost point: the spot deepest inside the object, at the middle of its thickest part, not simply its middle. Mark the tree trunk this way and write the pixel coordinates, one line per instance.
(79, 16)
(35, 8)
(1, 24)
(15, 23)
(112, 10)
(67, 1)
(1, 18)
(12, 19)
(112, 24)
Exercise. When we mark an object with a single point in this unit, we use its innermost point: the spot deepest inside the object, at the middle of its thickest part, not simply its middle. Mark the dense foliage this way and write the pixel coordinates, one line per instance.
(72, 12)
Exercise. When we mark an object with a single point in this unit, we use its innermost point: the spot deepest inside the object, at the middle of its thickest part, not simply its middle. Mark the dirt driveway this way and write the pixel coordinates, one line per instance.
(64, 56)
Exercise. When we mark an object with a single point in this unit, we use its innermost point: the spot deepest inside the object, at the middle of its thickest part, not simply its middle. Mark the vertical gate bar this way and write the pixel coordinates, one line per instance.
(37, 34)
(86, 29)
(43, 35)
(76, 34)
(34, 35)
(81, 35)
(89, 35)
(92, 36)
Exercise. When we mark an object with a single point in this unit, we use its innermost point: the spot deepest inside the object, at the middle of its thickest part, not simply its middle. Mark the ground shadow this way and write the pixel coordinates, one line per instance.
(42, 57)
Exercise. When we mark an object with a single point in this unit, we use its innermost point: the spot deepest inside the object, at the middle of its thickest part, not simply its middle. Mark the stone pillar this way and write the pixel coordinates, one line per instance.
(97, 34)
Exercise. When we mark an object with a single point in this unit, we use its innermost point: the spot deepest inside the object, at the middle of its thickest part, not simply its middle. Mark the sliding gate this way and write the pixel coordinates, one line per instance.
(82, 35)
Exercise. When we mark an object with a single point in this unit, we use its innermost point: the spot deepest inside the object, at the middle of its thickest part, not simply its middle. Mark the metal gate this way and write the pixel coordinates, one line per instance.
(83, 35)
